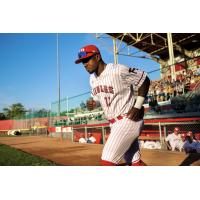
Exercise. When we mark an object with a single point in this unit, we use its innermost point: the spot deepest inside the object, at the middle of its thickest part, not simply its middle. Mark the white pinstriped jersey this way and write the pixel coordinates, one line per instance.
(114, 88)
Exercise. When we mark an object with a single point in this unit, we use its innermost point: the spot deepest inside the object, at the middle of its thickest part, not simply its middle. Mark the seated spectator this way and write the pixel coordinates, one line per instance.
(91, 138)
(198, 71)
(190, 145)
(191, 135)
(192, 149)
(173, 140)
(82, 139)
(153, 103)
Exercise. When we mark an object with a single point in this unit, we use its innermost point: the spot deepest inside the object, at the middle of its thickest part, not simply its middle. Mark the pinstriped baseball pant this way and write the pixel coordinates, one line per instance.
(123, 142)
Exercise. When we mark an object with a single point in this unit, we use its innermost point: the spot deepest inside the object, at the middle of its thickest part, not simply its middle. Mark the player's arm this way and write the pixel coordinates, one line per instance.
(167, 143)
(137, 111)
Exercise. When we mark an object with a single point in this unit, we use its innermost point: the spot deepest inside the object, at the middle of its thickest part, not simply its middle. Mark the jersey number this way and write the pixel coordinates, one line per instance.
(107, 100)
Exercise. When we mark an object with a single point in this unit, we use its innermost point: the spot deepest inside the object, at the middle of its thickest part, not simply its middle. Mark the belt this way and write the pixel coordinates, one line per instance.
(113, 120)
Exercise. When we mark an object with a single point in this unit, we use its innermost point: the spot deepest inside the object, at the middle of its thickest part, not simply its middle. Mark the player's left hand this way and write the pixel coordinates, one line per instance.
(91, 104)
(136, 114)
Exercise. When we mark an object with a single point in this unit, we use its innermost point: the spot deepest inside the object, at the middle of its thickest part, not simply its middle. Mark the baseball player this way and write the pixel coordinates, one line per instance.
(174, 141)
(113, 88)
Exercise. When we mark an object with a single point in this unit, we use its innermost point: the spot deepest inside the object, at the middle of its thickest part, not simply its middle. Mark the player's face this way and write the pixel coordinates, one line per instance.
(91, 64)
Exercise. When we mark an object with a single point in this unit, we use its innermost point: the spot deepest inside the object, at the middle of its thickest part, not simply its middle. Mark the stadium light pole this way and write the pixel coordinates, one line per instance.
(58, 72)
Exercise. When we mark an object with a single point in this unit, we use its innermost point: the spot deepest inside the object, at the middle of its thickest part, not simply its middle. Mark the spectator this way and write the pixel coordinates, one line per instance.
(198, 71)
(91, 138)
(173, 140)
(172, 88)
(191, 148)
(191, 135)
(82, 139)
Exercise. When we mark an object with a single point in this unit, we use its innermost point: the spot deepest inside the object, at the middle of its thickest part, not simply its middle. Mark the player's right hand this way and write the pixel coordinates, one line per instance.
(91, 104)
(136, 114)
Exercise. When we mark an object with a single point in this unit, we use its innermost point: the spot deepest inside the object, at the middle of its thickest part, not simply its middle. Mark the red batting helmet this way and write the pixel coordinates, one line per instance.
(86, 52)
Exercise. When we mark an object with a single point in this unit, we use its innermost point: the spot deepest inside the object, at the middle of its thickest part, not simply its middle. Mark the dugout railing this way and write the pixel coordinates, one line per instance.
(152, 131)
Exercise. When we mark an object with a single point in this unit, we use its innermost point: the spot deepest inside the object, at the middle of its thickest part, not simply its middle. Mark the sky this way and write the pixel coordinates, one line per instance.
(28, 66)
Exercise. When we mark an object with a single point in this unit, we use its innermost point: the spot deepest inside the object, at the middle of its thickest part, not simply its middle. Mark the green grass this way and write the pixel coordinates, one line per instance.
(3, 135)
(12, 157)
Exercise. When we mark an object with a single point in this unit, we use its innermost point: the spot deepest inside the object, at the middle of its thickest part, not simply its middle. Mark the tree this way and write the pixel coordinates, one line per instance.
(14, 111)
(71, 111)
(2, 116)
(42, 112)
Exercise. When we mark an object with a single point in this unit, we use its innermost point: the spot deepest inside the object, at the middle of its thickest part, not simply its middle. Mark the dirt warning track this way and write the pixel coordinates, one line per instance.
(67, 153)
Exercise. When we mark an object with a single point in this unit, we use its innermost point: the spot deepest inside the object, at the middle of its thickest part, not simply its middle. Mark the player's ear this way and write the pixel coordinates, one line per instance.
(98, 57)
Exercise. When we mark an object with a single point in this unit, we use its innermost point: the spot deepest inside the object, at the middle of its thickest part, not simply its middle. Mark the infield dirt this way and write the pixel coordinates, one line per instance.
(67, 153)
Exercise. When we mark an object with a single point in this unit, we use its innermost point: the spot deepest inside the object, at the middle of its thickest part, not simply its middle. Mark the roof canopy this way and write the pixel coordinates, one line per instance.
(156, 44)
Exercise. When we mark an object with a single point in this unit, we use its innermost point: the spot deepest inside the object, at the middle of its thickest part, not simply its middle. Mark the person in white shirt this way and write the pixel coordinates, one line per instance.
(91, 138)
(173, 140)
(113, 87)
(82, 139)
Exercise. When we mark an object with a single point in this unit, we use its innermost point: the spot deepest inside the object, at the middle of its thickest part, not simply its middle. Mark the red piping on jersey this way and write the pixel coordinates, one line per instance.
(112, 121)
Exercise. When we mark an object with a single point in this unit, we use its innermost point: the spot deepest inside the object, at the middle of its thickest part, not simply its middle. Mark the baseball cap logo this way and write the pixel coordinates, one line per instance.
(86, 52)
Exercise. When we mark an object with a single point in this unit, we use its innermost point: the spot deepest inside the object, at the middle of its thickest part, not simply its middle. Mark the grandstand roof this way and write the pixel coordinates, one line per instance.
(156, 44)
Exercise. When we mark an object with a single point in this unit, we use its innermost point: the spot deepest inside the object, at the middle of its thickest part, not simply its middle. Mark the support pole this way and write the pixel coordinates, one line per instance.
(161, 74)
(85, 132)
(171, 56)
(72, 134)
(67, 111)
(160, 131)
(58, 73)
(103, 134)
(115, 51)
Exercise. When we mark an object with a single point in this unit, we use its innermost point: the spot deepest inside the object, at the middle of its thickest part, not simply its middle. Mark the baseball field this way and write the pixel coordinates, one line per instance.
(67, 153)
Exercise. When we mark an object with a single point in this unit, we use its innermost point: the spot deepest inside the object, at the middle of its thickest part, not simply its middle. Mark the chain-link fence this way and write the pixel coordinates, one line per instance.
(152, 131)
(184, 127)
(73, 111)
(170, 95)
